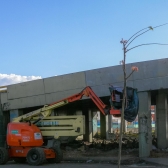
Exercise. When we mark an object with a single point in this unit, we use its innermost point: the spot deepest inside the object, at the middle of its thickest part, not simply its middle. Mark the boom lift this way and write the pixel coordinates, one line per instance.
(61, 126)
(47, 109)
(25, 139)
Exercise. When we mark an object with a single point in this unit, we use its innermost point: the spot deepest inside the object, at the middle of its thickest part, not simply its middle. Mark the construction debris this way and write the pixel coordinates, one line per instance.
(101, 147)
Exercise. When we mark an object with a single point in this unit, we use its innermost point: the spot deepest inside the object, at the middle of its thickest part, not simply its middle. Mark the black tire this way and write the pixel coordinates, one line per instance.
(19, 159)
(36, 156)
(58, 153)
(3, 156)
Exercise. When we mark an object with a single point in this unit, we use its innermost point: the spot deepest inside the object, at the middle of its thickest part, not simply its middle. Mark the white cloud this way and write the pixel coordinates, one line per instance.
(6, 79)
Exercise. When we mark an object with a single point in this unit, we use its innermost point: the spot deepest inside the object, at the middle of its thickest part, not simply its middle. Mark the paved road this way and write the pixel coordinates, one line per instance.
(78, 165)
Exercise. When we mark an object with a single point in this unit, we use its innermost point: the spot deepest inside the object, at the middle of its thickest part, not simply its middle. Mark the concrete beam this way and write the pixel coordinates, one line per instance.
(25, 89)
(64, 83)
(152, 75)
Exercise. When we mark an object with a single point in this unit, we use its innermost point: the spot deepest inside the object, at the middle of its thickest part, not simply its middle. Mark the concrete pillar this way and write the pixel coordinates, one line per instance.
(161, 117)
(3, 127)
(125, 126)
(107, 126)
(110, 122)
(88, 122)
(90, 126)
(155, 129)
(95, 131)
(102, 126)
(15, 113)
(144, 120)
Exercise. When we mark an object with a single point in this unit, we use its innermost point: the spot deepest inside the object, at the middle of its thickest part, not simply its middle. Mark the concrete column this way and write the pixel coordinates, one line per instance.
(85, 112)
(1, 112)
(107, 126)
(155, 121)
(95, 131)
(88, 123)
(110, 121)
(161, 117)
(144, 120)
(125, 126)
(15, 113)
(102, 126)
(3, 125)
(90, 126)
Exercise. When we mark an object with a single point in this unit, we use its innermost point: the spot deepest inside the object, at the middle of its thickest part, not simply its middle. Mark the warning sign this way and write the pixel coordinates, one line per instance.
(37, 135)
(25, 138)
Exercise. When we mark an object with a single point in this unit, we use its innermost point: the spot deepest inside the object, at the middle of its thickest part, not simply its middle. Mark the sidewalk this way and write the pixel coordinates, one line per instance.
(160, 161)
(126, 160)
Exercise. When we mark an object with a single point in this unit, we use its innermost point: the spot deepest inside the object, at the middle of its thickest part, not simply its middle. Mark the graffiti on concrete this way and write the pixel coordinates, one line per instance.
(6, 106)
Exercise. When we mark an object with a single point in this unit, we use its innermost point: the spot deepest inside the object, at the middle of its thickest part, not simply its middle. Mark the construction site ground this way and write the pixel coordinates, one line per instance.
(106, 151)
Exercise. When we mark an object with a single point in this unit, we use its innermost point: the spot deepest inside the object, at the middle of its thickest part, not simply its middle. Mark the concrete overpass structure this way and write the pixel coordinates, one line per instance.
(151, 81)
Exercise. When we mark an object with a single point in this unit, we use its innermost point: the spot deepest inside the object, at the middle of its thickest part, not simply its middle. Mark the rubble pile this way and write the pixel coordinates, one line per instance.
(102, 147)
(102, 144)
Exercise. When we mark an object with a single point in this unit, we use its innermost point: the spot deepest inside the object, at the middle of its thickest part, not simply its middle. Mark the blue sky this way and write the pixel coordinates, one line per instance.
(43, 38)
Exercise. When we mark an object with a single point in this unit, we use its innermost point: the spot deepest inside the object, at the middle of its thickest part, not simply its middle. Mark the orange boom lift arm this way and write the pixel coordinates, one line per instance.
(88, 92)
